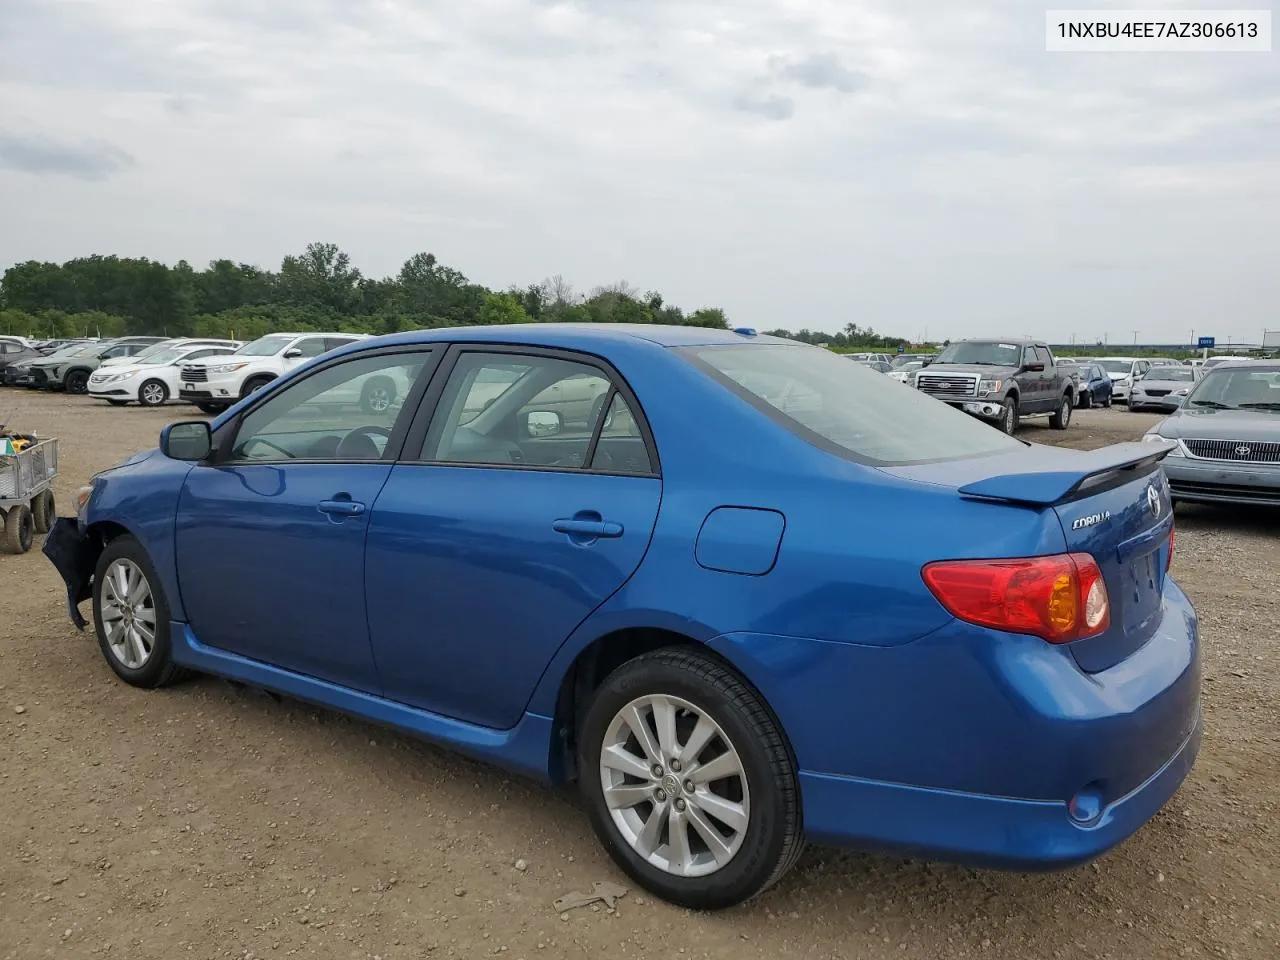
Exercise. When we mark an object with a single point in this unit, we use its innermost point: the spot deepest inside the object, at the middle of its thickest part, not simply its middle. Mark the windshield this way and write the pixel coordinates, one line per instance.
(264, 347)
(1238, 387)
(1172, 373)
(838, 407)
(992, 353)
(1116, 366)
(167, 355)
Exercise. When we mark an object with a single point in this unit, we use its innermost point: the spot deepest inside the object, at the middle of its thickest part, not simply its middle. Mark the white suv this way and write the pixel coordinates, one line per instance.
(217, 383)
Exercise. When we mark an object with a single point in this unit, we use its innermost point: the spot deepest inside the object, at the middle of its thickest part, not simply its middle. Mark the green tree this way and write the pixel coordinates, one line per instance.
(502, 308)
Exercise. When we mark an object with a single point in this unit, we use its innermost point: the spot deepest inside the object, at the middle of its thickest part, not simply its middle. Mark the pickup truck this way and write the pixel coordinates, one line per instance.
(1000, 381)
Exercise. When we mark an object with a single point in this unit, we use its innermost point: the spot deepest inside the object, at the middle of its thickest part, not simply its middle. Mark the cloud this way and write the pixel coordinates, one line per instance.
(901, 163)
(771, 106)
(822, 71)
(84, 161)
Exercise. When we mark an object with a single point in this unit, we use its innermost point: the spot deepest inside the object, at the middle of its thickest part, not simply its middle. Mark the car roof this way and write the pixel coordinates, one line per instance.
(1124, 359)
(1238, 362)
(584, 335)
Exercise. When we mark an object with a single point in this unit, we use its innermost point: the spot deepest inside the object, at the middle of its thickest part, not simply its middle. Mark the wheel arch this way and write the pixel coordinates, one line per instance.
(601, 656)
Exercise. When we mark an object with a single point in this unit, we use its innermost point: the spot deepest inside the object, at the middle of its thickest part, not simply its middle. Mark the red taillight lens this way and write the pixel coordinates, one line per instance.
(1173, 534)
(1059, 599)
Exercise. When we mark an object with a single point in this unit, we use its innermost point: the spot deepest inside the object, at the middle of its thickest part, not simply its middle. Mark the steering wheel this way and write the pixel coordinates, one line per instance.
(366, 433)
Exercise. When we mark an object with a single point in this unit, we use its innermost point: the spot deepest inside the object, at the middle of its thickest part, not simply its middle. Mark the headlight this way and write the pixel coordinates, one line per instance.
(226, 367)
(1122, 379)
(1154, 437)
(990, 386)
(1181, 393)
(82, 497)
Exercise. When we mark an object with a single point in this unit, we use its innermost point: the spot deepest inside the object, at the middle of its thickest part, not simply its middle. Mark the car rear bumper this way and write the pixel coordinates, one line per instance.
(981, 747)
(983, 830)
(1216, 481)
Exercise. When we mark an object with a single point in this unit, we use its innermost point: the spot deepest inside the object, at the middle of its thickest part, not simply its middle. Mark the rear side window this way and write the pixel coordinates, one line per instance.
(845, 408)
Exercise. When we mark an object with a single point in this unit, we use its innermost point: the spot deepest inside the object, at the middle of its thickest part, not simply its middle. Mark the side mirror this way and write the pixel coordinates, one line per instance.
(190, 440)
(543, 423)
(293, 353)
(1033, 367)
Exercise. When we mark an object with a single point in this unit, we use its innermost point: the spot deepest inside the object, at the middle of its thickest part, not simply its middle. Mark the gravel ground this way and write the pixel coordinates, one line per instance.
(201, 822)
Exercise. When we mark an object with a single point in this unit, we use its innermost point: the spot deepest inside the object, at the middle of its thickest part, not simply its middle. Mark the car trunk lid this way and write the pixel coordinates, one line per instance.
(1112, 504)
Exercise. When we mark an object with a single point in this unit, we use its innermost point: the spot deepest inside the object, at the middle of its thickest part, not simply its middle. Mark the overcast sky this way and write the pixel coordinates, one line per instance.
(912, 165)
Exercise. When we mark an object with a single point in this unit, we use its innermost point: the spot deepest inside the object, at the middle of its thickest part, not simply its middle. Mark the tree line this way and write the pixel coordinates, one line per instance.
(318, 289)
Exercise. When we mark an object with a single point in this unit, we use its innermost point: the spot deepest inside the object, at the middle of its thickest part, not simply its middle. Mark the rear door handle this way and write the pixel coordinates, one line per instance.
(341, 508)
(582, 529)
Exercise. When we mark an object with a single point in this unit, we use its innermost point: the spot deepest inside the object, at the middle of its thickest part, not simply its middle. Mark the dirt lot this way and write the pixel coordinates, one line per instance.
(201, 822)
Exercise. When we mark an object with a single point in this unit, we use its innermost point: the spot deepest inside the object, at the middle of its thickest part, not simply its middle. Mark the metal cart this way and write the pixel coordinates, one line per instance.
(26, 498)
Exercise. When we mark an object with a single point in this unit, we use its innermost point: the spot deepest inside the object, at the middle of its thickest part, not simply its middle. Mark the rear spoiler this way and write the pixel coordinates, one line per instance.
(1050, 487)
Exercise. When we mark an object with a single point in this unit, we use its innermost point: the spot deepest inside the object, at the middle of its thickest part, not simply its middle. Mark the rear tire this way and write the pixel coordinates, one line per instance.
(153, 393)
(753, 814)
(1062, 419)
(44, 510)
(19, 529)
(129, 604)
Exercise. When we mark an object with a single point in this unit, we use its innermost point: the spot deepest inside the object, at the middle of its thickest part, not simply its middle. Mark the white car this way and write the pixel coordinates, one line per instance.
(151, 377)
(903, 373)
(1124, 372)
(215, 384)
(165, 345)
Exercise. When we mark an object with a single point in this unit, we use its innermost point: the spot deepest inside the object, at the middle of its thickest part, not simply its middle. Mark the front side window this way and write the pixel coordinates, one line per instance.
(533, 411)
(343, 412)
(311, 347)
(847, 410)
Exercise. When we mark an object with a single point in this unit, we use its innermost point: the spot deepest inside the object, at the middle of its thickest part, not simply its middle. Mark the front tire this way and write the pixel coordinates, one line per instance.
(1086, 399)
(131, 616)
(1106, 404)
(117, 403)
(44, 510)
(1009, 416)
(1062, 419)
(377, 395)
(153, 393)
(253, 385)
(210, 409)
(77, 381)
(689, 783)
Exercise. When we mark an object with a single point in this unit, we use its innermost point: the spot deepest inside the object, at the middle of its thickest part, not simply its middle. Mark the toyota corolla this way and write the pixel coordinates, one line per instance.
(748, 598)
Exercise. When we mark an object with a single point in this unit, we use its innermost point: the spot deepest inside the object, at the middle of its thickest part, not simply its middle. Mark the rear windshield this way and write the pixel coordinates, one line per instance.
(847, 408)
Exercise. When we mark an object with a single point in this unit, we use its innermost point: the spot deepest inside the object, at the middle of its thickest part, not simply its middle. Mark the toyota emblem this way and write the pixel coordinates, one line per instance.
(1243, 451)
(1153, 501)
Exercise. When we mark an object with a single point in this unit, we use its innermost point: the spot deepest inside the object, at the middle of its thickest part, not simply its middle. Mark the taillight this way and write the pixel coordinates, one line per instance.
(1059, 599)
(1173, 533)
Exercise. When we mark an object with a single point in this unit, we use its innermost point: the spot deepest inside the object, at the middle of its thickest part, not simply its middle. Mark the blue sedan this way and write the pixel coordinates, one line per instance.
(728, 584)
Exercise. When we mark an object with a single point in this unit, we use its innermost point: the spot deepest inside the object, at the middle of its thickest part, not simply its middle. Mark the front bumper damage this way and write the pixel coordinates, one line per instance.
(74, 554)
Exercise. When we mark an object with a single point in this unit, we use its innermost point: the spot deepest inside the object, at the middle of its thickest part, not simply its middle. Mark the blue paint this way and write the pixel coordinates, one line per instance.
(454, 603)
(740, 540)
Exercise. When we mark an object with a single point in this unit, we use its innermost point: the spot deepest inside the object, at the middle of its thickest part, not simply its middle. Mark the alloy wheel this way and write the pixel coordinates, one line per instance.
(675, 786)
(128, 613)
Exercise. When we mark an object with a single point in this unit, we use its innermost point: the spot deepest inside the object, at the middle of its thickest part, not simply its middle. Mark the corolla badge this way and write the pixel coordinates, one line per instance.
(1092, 520)
(1153, 500)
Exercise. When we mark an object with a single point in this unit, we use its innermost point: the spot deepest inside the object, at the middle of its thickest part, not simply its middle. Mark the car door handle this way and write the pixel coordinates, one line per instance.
(579, 528)
(340, 508)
